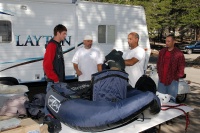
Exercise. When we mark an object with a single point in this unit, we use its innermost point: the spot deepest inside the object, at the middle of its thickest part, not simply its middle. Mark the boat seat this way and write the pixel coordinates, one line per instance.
(109, 85)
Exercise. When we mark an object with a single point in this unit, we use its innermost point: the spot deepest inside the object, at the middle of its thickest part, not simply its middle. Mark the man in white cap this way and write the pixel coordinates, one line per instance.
(87, 60)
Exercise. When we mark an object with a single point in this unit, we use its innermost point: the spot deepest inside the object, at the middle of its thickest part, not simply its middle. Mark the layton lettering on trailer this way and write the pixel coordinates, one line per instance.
(35, 41)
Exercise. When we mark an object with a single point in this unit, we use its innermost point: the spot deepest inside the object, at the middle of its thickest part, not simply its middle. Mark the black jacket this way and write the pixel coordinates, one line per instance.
(58, 62)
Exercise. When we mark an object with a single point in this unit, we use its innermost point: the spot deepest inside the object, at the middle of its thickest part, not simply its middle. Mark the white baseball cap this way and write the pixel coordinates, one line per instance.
(88, 37)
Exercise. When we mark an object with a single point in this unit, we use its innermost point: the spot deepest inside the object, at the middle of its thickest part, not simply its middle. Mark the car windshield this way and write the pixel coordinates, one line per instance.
(192, 43)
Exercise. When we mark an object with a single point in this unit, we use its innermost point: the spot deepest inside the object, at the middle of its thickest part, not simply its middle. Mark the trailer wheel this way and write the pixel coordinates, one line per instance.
(181, 98)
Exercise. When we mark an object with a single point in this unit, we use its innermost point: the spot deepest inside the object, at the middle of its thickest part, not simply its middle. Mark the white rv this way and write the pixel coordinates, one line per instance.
(27, 25)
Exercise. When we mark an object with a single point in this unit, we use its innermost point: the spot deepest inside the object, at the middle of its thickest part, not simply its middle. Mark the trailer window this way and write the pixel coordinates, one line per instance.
(5, 32)
(102, 33)
(110, 34)
(106, 33)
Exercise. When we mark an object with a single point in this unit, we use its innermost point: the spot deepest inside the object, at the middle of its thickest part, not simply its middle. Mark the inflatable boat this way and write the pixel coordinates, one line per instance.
(103, 111)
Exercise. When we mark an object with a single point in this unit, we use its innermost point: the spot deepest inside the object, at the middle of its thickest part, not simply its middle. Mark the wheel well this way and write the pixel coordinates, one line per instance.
(9, 81)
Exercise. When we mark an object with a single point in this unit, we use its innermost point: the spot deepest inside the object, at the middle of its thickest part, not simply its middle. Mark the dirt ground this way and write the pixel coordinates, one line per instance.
(192, 71)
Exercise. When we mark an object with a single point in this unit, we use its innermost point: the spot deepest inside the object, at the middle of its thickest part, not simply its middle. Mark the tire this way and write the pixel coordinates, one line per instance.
(189, 51)
(181, 98)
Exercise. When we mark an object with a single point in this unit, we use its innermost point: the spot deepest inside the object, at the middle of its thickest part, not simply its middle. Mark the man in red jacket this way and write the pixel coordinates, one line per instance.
(53, 64)
(170, 67)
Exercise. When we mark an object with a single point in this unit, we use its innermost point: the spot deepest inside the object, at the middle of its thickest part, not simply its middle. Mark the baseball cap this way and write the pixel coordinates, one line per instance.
(88, 37)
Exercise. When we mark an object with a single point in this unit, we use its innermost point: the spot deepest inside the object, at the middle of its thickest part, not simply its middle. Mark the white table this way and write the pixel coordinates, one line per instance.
(139, 126)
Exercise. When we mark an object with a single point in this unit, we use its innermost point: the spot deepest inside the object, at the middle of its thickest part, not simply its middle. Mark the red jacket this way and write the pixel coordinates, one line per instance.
(176, 65)
(53, 63)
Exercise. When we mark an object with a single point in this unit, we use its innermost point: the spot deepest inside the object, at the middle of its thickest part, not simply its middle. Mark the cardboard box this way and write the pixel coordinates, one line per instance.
(44, 128)
(26, 126)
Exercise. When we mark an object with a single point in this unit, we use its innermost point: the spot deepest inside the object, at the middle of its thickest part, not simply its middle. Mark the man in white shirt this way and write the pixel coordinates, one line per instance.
(134, 59)
(87, 60)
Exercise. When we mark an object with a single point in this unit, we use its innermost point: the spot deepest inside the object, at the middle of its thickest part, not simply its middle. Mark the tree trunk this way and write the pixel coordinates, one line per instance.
(195, 33)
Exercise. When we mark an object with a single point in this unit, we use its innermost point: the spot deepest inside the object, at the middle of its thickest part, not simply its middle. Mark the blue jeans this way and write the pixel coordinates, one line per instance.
(171, 89)
(46, 112)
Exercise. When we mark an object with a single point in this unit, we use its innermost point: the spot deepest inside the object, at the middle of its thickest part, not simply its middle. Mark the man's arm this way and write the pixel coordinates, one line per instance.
(158, 62)
(78, 72)
(99, 67)
(181, 66)
(130, 62)
(48, 63)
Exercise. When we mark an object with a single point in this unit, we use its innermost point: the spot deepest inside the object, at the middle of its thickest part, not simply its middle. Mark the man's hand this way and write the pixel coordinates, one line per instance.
(78, 72)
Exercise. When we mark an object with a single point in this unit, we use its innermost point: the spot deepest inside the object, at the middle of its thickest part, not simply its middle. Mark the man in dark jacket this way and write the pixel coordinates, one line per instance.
(170, 67)
(53, 63)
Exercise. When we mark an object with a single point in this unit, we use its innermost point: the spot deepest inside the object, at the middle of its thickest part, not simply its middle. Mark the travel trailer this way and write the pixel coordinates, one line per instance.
(27, 25)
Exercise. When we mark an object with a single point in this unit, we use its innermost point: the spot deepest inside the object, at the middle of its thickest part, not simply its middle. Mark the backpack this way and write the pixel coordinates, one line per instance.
(35, 107)
(114, 60)
(109, 85)
(146, 83)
